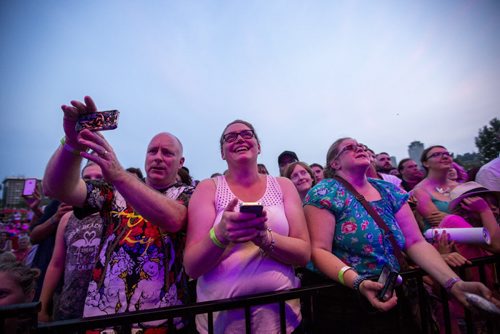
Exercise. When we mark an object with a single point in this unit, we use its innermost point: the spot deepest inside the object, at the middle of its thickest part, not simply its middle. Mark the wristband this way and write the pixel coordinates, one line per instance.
(450, 283)
(341, 273)
(214, 239)
(357, 282)
(70, 148)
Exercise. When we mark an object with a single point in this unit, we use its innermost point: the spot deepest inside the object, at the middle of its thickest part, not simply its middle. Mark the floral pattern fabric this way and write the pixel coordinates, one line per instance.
(358, 241)
(138, 266)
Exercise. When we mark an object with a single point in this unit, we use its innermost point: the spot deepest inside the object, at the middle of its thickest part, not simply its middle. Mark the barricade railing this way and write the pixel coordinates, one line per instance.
(124, 321)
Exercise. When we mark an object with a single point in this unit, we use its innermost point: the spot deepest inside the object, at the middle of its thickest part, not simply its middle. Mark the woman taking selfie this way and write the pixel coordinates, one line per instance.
(234, 253)
(348, 244)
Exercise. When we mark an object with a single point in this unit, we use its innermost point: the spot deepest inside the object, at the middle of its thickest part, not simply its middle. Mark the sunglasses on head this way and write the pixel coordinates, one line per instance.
(232, 136)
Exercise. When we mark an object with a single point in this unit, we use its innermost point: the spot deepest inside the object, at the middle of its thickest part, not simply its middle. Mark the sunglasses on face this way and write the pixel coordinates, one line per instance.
(232, 136)
(351, 148)
(439, 155)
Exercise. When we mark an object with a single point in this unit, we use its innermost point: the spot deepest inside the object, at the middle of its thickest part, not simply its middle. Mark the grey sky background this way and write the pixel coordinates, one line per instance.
(303, 72)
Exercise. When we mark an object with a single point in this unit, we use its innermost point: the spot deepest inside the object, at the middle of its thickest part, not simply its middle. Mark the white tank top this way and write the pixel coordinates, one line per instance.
(244, 270)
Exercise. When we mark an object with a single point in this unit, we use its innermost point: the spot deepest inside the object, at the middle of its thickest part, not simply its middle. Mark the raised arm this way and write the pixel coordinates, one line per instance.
(62, 174)
(168, 214)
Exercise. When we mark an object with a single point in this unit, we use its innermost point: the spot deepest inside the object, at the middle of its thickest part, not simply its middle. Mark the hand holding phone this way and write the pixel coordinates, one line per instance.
(29, 188)
(482, 303)
(252, 207)
(98, 121)
(388, 278)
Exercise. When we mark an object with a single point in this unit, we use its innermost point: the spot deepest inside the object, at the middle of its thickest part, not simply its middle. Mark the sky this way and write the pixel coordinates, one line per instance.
(303, 72)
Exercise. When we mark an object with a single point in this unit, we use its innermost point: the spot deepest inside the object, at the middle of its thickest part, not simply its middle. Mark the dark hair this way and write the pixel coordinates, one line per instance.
(316, 165)
(401, 163)
(381, 153)
(291, 167)
(136, 171)
(185, 177)
(221, 141)
(424, 158)
(329, 172)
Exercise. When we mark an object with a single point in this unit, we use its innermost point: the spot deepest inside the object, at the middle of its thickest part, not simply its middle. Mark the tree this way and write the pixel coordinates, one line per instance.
(488, 141)
(468, 160)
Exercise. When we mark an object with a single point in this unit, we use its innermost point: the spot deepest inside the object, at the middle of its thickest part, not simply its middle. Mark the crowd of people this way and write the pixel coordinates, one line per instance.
(112, 241)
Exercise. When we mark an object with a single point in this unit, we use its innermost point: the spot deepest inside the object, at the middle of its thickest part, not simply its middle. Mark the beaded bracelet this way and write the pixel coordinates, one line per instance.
(269, 247)
(215, 240)
(450, 283)
(341, 273)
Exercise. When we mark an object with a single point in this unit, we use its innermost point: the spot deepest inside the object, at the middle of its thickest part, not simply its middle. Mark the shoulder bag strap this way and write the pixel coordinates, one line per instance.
(380, 222)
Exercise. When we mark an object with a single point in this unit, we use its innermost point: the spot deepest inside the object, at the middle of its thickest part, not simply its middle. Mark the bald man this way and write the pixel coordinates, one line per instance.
(139, 265)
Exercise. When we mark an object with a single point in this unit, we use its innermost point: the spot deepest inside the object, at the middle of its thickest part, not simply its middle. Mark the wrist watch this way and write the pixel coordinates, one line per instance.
(358, 280)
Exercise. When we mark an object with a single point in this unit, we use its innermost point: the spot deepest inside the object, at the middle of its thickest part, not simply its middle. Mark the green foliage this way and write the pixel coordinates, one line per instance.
(488, 141)
(468, 160)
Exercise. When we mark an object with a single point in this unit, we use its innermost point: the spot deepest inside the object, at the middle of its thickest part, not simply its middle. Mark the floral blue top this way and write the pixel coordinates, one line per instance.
(358, 241)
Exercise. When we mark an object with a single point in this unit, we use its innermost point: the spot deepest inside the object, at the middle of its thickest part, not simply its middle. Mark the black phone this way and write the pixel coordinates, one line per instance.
(29, 187)
(388, 278)
(98, 121)
(252, 207)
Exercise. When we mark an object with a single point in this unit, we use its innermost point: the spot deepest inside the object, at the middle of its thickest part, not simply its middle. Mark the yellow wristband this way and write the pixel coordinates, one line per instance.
(214, 239)
(69, 148)
(341, 273)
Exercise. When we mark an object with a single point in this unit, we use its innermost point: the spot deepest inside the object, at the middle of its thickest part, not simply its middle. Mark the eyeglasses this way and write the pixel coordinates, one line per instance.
(439, 155)
(232, 136)
(350, 147)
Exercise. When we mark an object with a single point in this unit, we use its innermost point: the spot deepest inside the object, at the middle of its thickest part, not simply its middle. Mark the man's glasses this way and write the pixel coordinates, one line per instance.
(350, 147)
(439, 155)
(232, 136)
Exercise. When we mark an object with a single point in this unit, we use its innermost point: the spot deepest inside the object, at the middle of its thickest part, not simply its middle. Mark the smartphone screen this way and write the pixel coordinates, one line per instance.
(251, 207)
(388, 279)
(98, 121)
(29, 187)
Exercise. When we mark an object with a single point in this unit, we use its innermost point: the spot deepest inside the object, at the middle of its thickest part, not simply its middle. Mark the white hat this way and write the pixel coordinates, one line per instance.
(467, 189)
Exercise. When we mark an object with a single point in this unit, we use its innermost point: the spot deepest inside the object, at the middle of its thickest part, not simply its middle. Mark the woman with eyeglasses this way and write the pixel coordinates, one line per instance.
(348, 245)
(234, 253)
(432, 194)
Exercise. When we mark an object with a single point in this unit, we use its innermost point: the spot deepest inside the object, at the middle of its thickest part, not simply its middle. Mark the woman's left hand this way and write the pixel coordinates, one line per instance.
(369, 289)
(461, 287)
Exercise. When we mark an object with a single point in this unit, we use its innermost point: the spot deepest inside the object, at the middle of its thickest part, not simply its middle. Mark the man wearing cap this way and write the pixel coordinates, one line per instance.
(286, 158)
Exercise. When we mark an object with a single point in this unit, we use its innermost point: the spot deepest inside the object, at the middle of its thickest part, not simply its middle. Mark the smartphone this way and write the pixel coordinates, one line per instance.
(29, 187)
(252, 207)
(388, 278)
(482, 303)
(98, 121)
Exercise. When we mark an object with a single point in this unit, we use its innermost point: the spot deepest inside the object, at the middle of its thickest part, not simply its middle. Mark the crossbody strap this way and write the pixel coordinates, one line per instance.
(380, 222)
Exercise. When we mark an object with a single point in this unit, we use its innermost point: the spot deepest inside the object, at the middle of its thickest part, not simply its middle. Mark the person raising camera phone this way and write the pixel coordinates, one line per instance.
(139, 266)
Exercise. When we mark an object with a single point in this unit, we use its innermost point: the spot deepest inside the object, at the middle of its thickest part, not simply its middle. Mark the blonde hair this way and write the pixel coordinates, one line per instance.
(332, 153)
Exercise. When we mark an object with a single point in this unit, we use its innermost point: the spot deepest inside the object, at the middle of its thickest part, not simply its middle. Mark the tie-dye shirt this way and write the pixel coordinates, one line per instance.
(138, 266)
(358, 240)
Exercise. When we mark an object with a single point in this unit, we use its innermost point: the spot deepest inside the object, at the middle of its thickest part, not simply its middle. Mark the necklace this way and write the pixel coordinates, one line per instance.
(443, 191)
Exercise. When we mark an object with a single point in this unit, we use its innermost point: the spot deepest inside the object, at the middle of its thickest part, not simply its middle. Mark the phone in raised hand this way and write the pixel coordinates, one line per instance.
(98, 121)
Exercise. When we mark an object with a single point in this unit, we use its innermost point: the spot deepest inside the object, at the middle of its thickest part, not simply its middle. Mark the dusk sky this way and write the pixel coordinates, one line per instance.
(303, 72)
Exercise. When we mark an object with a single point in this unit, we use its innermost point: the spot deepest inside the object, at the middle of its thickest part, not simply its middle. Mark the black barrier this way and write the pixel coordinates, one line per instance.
(305, 294)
